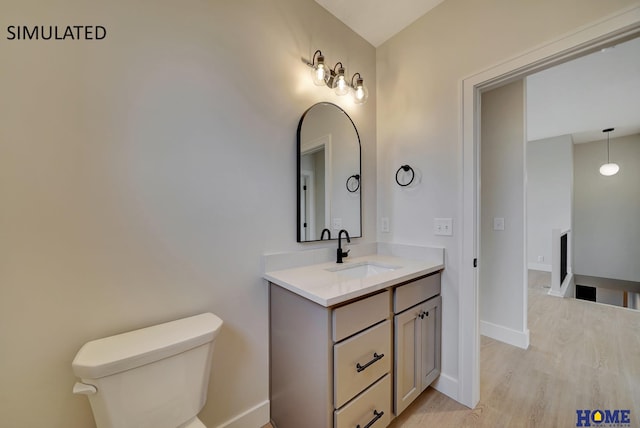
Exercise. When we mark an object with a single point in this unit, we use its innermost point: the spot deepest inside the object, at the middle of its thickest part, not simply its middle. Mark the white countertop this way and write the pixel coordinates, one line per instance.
(320, 285)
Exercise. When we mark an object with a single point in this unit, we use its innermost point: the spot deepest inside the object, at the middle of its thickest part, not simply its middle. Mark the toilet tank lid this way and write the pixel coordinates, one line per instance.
(114, 354)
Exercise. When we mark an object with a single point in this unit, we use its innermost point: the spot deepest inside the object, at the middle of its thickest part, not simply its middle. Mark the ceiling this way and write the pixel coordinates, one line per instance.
(584, 96)
(581, 97)
(378, 20)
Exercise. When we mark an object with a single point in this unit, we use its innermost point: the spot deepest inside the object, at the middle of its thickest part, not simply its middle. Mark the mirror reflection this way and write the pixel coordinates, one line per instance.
(328, 174)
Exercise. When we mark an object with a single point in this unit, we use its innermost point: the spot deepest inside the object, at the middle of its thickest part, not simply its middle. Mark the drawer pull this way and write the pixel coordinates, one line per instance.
(373, 421)
(376, 357)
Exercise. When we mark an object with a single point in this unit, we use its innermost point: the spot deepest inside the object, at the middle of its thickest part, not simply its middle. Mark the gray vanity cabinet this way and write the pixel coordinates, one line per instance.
(338, 367)
(330, 367)
(418, 331)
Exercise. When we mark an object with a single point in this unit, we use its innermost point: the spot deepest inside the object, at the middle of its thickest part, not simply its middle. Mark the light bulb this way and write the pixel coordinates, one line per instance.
(341, 86)
(318, 74)
(360, 92)
(609, 169)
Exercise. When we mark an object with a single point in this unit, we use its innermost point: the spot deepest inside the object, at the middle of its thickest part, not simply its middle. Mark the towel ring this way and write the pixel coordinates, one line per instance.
(353, 183)
(405, 168)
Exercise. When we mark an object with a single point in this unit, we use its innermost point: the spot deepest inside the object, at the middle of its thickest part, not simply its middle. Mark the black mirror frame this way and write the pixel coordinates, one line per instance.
(298, 237)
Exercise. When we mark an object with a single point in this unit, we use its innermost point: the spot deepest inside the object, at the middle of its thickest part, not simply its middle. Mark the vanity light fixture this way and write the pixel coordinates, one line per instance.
(609, 168)
(335, 78)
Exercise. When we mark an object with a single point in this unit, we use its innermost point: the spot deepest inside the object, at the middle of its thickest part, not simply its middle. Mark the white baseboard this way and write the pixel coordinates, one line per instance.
(567, 288)
(505, 334)
(255, 417)
(539, 266)
(446, 385)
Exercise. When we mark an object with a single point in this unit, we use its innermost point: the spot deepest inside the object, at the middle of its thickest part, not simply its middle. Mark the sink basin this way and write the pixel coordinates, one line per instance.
(362, 270)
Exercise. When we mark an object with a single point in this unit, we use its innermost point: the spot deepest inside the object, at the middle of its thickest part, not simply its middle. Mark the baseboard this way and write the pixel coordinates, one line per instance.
(505, 334)
(567, 288)
(446, 385)
(255, 417)
(539, 266)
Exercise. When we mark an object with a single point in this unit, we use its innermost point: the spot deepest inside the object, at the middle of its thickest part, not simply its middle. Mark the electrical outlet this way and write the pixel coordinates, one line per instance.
(540, 258)
(443, 226)
(385, 224)
(498, 223)
(336, 223)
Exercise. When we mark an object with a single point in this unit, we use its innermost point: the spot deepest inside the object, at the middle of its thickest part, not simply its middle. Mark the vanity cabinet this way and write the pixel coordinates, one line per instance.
(330, 367)
(418, 332)
(338, 366)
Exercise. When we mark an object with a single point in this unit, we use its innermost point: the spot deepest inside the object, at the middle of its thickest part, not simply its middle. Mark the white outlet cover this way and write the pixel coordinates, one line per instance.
(336, 223)
(498, 223)
(385, 224)
(443, 226)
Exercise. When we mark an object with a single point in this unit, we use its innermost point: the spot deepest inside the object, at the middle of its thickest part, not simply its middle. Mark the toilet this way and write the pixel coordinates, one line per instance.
(155, 377)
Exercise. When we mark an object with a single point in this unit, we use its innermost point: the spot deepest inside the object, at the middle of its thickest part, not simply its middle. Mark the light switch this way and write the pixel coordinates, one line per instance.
(498, 223)
(443, 226)
(385, 224)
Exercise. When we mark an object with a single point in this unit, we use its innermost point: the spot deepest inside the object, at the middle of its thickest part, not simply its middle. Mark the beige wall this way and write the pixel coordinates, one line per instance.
(420, 74)
(549, 195)
(502, 192)
(142, 178)
(606, 235)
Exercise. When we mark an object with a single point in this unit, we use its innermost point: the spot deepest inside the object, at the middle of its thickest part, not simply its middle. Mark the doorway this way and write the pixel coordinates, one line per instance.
(607, 32)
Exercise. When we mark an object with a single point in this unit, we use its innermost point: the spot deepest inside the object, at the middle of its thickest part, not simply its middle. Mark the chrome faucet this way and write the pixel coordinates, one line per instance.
(322, 234)
(340, 253)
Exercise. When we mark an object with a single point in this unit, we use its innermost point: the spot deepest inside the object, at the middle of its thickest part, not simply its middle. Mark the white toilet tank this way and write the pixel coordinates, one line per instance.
(155, 377)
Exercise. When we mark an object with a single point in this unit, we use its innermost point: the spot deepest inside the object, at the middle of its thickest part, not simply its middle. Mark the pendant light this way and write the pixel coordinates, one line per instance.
(609, 168)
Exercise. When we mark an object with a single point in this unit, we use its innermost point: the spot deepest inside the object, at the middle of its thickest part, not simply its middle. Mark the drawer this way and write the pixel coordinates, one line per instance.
(374, 403)
(415, 292)
(356, 316)
(359, 361)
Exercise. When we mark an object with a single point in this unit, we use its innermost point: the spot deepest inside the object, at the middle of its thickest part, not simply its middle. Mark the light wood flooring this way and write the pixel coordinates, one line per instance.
(582, 355)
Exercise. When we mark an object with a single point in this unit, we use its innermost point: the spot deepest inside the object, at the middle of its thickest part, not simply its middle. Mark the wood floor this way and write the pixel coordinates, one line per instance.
(583, 355)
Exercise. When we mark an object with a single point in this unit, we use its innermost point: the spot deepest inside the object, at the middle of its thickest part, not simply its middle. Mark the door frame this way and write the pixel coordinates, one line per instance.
(622, 25)
(307, 205)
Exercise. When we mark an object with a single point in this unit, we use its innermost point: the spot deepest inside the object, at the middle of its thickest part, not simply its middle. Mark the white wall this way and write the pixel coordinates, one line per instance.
(420, 71)
(606, 234)
(143, 177)
(549, 195)
(502, 192)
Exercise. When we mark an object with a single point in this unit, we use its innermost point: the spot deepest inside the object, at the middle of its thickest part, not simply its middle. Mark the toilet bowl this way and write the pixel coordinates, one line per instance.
(155, 377)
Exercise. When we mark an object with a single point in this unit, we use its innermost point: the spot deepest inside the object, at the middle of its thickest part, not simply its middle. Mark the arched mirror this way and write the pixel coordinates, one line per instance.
(329, 174)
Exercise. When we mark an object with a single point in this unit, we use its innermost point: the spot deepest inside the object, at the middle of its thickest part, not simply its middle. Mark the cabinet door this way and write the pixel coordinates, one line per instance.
(431, 320)
(408, 351)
